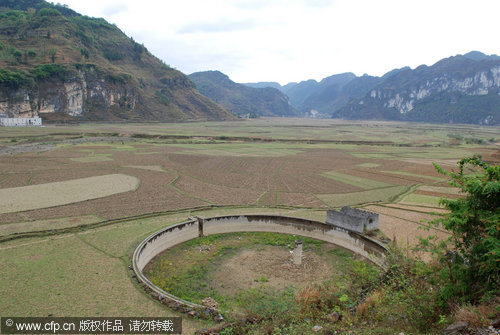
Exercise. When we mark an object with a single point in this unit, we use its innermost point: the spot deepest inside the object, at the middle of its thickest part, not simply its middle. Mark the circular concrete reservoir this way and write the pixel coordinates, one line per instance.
(193, 228)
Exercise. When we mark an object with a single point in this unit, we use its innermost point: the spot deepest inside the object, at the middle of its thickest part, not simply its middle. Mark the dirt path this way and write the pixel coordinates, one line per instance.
(43, 146)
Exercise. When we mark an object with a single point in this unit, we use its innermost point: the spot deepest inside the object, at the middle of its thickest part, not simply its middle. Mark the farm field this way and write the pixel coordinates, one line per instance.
(68, 254)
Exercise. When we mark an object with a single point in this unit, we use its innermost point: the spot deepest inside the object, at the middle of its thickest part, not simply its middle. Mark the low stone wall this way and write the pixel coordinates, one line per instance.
(187, 230)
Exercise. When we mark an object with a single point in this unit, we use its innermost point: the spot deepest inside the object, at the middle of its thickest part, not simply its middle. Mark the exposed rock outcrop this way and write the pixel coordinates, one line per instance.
(62, 66)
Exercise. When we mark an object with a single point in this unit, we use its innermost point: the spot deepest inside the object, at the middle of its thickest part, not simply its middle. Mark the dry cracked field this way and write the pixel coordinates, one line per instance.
(291, 166)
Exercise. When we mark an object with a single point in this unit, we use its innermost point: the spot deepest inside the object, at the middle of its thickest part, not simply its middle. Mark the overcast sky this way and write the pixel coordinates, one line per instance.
(295, 40)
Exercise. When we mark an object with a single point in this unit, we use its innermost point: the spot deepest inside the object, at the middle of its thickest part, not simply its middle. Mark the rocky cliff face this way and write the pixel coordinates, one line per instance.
(457, 90)
(75, 97)
(480, 83)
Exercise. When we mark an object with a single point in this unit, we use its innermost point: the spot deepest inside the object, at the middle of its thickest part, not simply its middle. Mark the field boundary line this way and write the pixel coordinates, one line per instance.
(36, 242)
(4, 177)
(418, 223)
(409, 190)
(324, 203)
(172, 185)
(392, 174)
(78, 236)
(201, 180)
(85, 227)
(178, 190)
(410, 210)
(261, 196)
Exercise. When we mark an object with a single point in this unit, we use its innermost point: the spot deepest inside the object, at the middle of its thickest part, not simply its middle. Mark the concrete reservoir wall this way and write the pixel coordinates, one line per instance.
(168, 237)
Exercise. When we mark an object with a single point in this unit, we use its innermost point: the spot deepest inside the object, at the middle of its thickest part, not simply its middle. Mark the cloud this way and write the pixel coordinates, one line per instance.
(114, 9)
(317, 3)
(262, 4)
(294, 40)
(222, 26)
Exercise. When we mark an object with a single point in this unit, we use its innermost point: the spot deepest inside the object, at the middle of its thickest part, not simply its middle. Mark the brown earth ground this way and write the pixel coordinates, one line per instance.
(189, 180)
(65, 274)
(175, 176)
(245, 269)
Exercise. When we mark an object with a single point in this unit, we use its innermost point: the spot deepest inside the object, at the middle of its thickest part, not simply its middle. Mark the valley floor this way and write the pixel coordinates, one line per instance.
(71, 257)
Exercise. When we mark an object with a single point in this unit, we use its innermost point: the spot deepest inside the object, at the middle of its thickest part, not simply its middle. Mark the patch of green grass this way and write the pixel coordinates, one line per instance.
(420, 199)
(65, 271)
(368, 165)
(364, 183)
(111, 145)
(356, 198)
(267, 302)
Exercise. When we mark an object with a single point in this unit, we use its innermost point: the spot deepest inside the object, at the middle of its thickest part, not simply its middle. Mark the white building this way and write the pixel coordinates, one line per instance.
(20, 121)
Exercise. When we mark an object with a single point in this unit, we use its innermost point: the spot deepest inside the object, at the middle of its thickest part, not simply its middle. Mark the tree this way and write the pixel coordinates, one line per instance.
(472, 259)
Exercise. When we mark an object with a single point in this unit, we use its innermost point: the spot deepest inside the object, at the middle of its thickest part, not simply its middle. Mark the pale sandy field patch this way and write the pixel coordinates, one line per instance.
(157, 168)
(92, 158)
(420, 199)
(25, 198)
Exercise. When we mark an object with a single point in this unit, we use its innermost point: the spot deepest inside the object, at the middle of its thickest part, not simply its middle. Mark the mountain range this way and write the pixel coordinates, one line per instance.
(459, 89)
(240, 99)
(64, 66)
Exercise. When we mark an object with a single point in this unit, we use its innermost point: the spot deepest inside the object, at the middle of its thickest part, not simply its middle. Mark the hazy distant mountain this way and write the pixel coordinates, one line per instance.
(241, 99)
(299, 93)
(264, 84)
(61, 65)
(322, 98)
(460, 89)
(328, 94)
(478, 56)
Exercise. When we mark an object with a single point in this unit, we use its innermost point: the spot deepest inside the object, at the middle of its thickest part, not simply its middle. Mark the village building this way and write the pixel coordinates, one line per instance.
(6, 121)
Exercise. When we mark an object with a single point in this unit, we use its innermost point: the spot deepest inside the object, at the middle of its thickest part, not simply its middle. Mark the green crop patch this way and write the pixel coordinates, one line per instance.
(360, 182)
(356, 198)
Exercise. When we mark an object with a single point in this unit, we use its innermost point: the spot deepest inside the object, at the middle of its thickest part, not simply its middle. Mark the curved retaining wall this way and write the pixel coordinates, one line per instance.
(193, 228)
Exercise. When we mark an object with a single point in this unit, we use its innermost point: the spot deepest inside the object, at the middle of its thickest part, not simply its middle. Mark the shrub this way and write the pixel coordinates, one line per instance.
(49, 70)
(13, 79)
(44, 12)
(471, 259)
